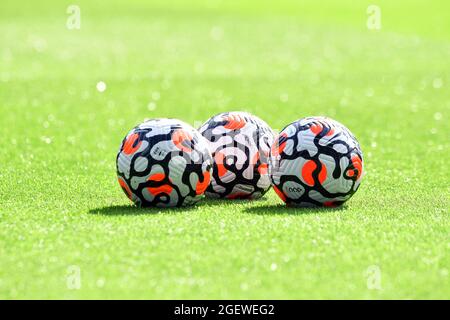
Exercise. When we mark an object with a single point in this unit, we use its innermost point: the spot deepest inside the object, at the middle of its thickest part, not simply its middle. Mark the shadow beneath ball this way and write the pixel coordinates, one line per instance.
(228, 202)
(131, 210)
(282, 209)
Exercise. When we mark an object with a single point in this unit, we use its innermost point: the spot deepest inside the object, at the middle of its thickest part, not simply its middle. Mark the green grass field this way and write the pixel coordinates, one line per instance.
(63, 212)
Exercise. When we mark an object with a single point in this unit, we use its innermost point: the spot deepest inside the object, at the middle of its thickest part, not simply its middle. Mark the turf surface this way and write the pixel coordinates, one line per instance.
(62, 210)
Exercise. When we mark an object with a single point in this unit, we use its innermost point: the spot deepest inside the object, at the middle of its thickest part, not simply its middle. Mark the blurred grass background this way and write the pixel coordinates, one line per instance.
(61, 204)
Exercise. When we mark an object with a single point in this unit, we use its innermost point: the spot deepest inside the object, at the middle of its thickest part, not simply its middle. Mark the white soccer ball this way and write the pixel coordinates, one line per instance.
(240, 145)
(316, 161)
(164, 163)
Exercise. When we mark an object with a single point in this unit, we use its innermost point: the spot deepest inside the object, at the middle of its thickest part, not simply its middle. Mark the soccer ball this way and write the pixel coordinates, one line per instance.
(240, 145)
(164, 163)
(315, 161)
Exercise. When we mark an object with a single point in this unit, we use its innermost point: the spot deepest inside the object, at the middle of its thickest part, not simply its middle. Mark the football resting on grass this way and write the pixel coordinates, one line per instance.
(62, 208)
(240, 145)
(164, 163)
(316, 161)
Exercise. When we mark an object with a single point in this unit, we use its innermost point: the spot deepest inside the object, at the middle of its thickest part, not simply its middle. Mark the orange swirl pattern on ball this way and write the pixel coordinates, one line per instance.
(125, 188)
(181, 139)
(201, 186)
(165, 188)
(278, 147)
(130, 146)
(307, 172)
(234, 121)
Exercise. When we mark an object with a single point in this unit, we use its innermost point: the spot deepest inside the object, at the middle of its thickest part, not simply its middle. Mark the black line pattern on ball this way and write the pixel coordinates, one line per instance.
(260, 131)
(163, 163)
(327, 150)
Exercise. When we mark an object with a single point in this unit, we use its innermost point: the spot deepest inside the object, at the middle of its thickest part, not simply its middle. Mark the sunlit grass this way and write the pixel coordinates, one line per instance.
(62, 206)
